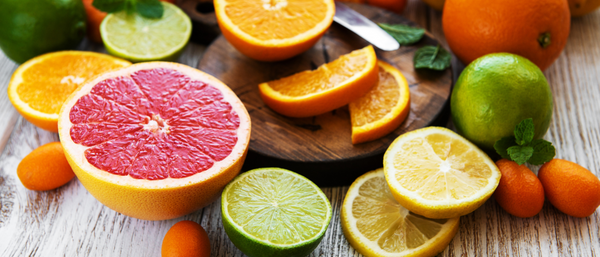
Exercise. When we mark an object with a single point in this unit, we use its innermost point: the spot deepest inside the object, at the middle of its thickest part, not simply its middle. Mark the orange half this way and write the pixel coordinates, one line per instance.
(383, 108)
(40, 86)
(272, 30)
(327, 88)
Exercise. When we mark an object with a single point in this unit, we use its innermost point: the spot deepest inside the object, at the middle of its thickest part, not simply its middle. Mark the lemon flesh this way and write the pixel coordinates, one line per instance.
(375, 224)
(438, 174)
(138, 39)
(274, 212)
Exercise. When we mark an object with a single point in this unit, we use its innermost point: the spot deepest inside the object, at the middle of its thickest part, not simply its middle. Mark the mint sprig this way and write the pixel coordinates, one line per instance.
(432, 57)
(152, 9)
(405, 35)
(522, 148)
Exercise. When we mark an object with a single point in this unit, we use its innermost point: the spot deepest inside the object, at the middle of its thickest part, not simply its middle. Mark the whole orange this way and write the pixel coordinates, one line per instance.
(45, 168)
(186, 239)
(519, 192)
(572, 189)
(535, 29)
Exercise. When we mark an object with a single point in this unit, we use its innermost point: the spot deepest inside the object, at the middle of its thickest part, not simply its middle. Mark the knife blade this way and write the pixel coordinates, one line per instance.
(364, 27)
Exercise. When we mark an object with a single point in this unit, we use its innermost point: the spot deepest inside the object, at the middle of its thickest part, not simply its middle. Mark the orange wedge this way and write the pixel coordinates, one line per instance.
(272, 30)
(40, 86)
(327, 88)
(383, 108)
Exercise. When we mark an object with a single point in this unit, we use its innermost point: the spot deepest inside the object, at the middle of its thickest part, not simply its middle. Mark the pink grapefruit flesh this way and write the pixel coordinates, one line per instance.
(154, 127)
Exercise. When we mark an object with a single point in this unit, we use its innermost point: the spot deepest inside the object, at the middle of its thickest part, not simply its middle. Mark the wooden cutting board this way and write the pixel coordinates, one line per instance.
(320, 147)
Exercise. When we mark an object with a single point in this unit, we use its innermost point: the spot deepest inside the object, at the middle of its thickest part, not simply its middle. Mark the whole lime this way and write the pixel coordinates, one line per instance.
(29, 28)
(496, 92)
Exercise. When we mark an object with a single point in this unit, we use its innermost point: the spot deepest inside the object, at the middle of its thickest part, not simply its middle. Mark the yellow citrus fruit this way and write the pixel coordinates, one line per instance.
(273, 30)
(327, 88)
(155, 140)
(583, 7)
(383, 108)
(436, 173)
(40, 86)
(376, 225)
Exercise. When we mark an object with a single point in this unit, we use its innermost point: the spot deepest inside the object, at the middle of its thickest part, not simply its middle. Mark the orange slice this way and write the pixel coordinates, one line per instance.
(383, 108)
(272, 30)
(155, 140)
(39, 87)
(327, 88)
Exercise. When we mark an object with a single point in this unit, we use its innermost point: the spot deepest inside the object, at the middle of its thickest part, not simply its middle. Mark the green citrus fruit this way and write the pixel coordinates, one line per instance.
(496, 92)
(29, 28)
(140, 39)
(272, 212)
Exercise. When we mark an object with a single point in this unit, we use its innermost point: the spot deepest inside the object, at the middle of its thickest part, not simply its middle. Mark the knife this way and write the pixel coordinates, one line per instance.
(363, 27)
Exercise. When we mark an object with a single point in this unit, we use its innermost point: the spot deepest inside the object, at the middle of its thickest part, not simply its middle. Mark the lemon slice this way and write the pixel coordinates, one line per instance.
(139, 39)
(376, 225)
(438, 174)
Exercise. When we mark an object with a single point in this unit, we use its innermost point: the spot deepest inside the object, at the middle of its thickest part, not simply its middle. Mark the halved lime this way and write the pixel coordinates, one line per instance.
(272, 212)
(138, 39)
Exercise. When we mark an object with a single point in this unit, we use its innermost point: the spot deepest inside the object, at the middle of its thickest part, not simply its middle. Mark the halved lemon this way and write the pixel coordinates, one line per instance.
(375, 224)
(272, 30)
(383, 108)
(327, 88)
(436, 173)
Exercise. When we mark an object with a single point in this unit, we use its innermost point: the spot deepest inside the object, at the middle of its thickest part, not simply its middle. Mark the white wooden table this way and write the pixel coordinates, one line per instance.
(70, 222)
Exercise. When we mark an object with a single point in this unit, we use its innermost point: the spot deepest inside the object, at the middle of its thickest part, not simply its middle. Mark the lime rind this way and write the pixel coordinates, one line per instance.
(253, 245)
(139, 39)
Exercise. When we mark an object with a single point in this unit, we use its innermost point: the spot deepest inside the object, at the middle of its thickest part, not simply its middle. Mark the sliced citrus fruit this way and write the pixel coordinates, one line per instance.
(383, 108)
(436, 173)
(40, 86)
(274, 212)
(155, 140)
(141, 39)
(327, 88)
(375, 224)
(273, 30)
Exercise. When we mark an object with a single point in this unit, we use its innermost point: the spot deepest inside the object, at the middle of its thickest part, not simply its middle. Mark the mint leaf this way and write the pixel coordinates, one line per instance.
(502, 146)
(431, 57)
(152, 9)
(109, 5)
(524, 131)
(520, 154)
(405, 35)
(543, 151)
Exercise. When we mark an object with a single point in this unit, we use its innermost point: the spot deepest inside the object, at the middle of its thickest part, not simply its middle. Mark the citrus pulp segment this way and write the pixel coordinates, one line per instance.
(273, 30)
(436, 173)
(141, 39)
(383, 108)
(274, 212)
(375, 224)
(155, 140)
(327, 88)
(40, 86)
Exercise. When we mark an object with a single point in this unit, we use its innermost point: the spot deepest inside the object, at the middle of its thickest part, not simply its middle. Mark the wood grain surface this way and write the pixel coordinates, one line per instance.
(69, 222)
(320, 147)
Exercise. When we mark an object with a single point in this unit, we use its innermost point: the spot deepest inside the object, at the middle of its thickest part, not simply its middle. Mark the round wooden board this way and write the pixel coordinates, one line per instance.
(320, 147)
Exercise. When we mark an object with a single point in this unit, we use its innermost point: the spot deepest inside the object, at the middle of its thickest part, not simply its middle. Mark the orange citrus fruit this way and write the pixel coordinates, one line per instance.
(570, 188)
(45, 168)
(327, 88)
(273, 30)
(583, 7)
(39, 87)
(536, 29)
(519, 192)
(155, 140)
(186, 239)
(383, 108)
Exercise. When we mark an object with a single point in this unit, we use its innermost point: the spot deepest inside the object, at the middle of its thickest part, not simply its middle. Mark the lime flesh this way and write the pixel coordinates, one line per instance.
(139, 39)
(274, 212)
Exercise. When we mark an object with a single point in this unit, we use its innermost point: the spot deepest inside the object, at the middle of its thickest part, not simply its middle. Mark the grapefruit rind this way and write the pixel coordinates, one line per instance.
(156, 199)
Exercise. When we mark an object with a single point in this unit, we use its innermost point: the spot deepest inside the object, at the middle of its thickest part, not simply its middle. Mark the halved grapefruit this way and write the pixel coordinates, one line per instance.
(155, 140)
